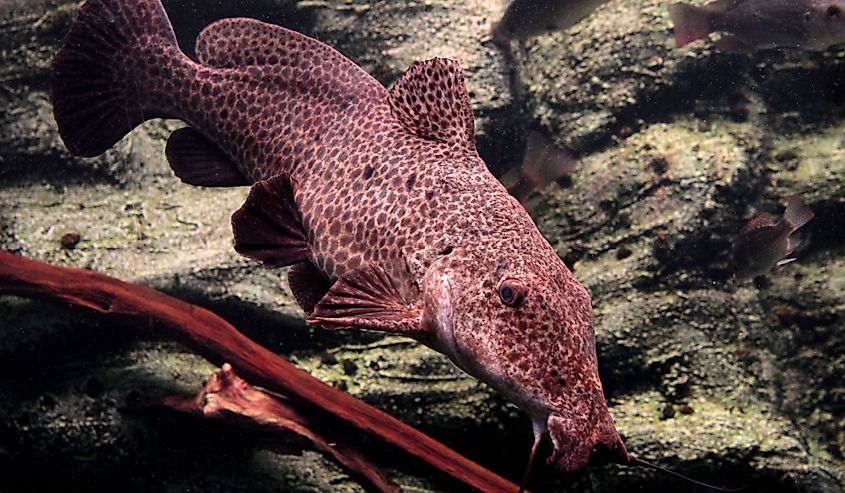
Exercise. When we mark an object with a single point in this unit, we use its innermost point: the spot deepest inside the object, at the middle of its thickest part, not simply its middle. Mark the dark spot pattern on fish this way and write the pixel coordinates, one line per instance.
(409, 183)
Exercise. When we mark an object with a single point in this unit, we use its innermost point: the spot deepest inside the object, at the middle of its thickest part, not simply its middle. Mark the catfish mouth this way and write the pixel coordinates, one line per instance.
(578, 457)
(609, 454)
(578, 443)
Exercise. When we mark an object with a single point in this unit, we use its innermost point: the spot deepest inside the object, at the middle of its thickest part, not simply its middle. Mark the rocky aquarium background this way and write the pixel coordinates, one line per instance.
(735, 384)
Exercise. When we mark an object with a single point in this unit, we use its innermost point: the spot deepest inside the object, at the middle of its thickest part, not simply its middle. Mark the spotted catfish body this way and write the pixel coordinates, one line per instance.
(377, 199)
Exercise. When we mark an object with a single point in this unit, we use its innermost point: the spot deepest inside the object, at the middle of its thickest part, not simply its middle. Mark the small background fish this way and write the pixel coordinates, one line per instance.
(542, 164)
(524, 19)
(766, 240)
(757, 24)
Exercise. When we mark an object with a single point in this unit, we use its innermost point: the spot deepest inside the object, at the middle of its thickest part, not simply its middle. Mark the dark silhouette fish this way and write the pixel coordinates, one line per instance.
(524, 19)
(542, 164)
(759, 24)
(766, 240)
(376, 199)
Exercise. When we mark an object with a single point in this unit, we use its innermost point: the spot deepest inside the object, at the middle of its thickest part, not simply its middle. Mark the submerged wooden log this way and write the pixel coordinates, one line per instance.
(228, 398)
(219, 342)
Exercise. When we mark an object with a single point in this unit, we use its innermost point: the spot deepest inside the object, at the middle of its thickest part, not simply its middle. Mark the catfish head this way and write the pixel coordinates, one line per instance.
(514, 317)
(523, 324)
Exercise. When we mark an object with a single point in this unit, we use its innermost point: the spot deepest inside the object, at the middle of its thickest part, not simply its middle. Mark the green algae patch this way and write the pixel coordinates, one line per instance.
(718, 429)
(129, 233)
(811, 164)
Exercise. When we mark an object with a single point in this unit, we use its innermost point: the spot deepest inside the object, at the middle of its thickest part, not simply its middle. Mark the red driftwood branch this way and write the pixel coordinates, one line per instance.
(227, 397)
(219, 342)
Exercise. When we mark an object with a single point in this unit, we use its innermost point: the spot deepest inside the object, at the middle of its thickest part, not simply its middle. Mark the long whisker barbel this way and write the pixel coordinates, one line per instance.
(635, 461)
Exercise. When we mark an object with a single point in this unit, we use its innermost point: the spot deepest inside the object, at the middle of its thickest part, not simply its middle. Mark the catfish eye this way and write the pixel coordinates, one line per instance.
(834, 11)
(512, 293)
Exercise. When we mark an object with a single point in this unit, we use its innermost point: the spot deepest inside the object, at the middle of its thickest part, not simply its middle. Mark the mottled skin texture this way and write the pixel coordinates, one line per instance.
(379, 193)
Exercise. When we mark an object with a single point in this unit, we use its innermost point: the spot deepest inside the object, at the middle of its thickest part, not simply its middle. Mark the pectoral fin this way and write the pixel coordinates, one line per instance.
(370, 298)
(196, 161)
(268, 227)
(308, 284)
(792, 243)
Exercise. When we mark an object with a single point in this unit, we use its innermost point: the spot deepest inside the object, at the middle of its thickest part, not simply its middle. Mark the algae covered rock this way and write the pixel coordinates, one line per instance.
(647, 205)
(648, 223)
(734, 384)
(589, 81)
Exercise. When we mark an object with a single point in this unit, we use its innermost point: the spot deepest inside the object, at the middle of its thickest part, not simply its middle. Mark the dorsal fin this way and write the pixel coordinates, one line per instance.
(240, 42)
(431, 101)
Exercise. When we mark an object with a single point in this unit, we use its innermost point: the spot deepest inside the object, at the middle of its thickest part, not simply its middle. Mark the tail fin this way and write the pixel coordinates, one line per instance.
(691, 23)
(797, 214)
(95, 75)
